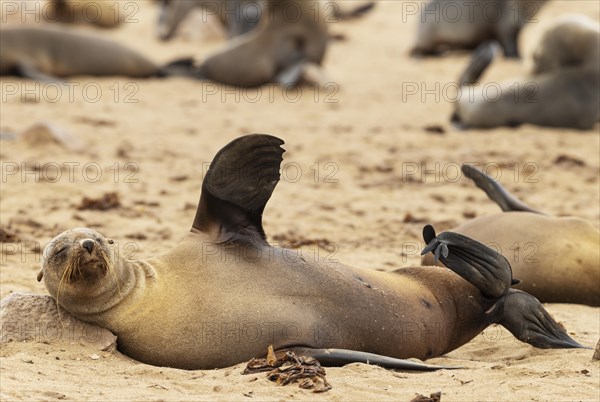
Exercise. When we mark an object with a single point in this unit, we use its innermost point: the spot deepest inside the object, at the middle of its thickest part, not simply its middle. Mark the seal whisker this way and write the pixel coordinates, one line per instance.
(64, 276)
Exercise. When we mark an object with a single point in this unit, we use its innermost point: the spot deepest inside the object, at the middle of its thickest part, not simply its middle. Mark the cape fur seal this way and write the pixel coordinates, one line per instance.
(556, 259)
(241, 16)
(223, 294)
(236, 16)
(563, 89)
(288, 38)
(44, 54)
(446, 25)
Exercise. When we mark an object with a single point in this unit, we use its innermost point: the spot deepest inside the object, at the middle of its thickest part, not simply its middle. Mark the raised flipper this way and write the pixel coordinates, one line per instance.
(508, 36)
(245, 19)
(480, 61)
(495, 191)
(524, 316)
(236, 188)
(480, 265)
(340, 357)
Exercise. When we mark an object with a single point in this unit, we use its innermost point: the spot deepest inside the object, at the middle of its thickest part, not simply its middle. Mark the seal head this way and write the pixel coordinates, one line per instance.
(76, 262)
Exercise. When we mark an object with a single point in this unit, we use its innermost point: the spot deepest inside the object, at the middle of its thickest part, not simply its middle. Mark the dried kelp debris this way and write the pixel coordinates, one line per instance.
(104, 203)
(290, 368)
(435, 397)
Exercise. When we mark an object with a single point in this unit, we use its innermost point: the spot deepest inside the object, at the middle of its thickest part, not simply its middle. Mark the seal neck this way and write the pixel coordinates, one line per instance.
(127, 280)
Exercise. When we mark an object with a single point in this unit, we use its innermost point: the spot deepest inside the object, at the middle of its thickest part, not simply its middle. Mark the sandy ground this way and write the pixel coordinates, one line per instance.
(349, 179)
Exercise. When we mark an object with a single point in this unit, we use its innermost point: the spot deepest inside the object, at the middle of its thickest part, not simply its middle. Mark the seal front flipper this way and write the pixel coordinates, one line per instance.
(303, 73)
(495, 191)
(236, 188)
(30, 71)
(291, 76)
(524, 316)
(340, 357)
(481, 266)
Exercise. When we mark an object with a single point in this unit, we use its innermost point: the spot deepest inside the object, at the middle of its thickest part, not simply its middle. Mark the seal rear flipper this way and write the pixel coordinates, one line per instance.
(480, 265)
(495, 191)
(524, 316)
(236, 188)
(341, 357)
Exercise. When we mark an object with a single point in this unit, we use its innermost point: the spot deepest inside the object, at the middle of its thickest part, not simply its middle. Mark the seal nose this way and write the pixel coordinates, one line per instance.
(88, 245)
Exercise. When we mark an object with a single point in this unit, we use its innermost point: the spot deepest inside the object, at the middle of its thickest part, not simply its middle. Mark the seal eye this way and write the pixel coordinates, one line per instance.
(61, 251)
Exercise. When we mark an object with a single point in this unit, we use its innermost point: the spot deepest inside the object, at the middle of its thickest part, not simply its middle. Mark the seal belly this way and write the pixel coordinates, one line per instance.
(231, 316)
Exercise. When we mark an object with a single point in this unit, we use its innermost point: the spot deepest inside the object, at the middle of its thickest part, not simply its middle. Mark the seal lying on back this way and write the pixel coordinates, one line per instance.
(223, 294)
(556, 259)
(446, 25)
(562, 91)
(45, 54)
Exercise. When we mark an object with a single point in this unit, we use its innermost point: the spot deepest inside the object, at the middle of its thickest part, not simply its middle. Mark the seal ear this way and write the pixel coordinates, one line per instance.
(236, 188)
(495, 191)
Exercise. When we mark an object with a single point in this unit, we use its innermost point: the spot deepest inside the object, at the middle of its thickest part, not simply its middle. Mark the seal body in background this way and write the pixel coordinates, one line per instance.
(556, 259)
